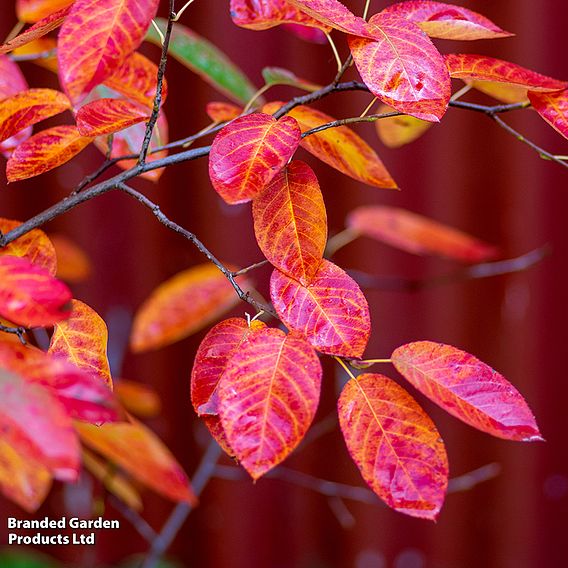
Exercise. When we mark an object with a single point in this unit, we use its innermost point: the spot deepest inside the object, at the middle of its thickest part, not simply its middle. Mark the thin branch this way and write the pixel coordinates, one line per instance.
(19, 331)
(135, 519)
(249, 268)
(352, 120)
(34, 56)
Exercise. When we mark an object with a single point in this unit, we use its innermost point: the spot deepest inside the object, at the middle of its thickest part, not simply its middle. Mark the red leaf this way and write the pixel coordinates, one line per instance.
(553, 107)
(313, 35)
(331, 311)
(446, 21)
(35, 423)
(467, 388)
(137, 450)
(29, 107)
(82, 339)
(83, 396)
(30, 11)
(249, 152)
(42, 27)
(341, 148)
(222, 112)
(29, 295)
(106, 116)
(290, 222)
(136, 79)
(402, 67)
(96, 39)
(395, 445)
(33, 246)
(416, 234)
(483, 68)
(268, 396)
(211, 359)
(45, 151)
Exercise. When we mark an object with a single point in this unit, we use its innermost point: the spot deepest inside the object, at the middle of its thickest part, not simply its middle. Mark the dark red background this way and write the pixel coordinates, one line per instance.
(466, 172)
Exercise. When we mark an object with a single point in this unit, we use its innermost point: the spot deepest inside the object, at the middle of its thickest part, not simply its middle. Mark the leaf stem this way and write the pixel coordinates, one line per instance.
(340, 240)
(345, 367)
(335, 52)
(185, 7)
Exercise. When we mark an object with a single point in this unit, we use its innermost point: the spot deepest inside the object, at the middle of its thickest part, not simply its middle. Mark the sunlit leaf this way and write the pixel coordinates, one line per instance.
(73, 264)
(467, 66)
(341, 148)
(106, 116)
(29, 107)
(290, 222)
(45, 151)
(397, 131)
(467, 388)
(31, 11)
(222, 112)
(503, 92)
(203, 58)
(249, 152)
(553, 107)
(402, 67)
(40, 48)
(447, 21)
(138, 451)
(37, 426)
(281, 76)
(29, 295)
(138, 399)
(416, 234)
(82, 339)
(268, 396)
(181, 306)
(96, 39)
(395, 445)
(34, 246)
(331, 312)
(38, 30)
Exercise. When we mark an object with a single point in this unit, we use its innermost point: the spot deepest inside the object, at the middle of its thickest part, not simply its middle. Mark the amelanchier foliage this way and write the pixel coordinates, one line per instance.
(255, 384)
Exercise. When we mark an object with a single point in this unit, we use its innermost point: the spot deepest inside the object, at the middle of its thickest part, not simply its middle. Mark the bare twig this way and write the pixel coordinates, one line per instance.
(136, 520)
(249, 268)
(19, 331)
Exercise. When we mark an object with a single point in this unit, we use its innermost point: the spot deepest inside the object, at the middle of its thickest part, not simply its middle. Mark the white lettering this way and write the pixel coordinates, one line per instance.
(12, 523)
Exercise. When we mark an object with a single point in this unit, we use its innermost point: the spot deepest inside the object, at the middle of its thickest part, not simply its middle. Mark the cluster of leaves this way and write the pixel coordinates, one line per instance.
(256, 387)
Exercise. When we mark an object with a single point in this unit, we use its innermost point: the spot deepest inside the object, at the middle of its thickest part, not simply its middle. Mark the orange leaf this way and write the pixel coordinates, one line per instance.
(211, 359)
(268, 396)
(553, 107)
(31, 11)
(290, 222)
(483, 68)
(222, 112)
(446, 21)
(29, 295)
(29, 107)
(138, 451)
(138, 399)
(416, 234)
(45, 151)
(503, 92)
(136, 79)
(34, 246)
(395, 445)
(73, 264)
(82, 339)
(41, 46)
(106, 116)
(96, 39)
(467, 388)
(36, 425)
(341, 148)
(397, 131)
(24, 481)
(42, 27)
(181, 306)
(331, 311)
(249, 152)
(402, 67)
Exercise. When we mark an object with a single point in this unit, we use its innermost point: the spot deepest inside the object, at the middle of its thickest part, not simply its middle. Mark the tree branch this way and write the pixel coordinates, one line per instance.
(19, 331)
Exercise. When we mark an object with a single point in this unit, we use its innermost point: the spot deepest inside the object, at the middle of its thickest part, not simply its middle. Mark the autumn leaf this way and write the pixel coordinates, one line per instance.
(215, 351)
(331, 312)
(29, 107)
(395, 445)
(96, 39)
(37, 426)
(397, 131)
(553, 108)
(341, 148)
(402, 67)
(222, 112)
(313, 35)
(290, 222)
(73, 264)
(139, 452)
(467, 388)
(40, 47)
(137, 398)
(45, 151)
(29, 295)
(181, 306)
(82, 339)
(416, 234)
(31, 11)
(268, 396)
(281, 76)
(447, 21)
(249, 152)
(34, 246)
(106, 116)
(503, 92)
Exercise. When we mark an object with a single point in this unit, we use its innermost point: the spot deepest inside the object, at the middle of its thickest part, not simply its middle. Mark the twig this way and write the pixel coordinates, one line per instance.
(249, 268)
(136, 520)
(34, 56)
(19, 331)
(352, 120)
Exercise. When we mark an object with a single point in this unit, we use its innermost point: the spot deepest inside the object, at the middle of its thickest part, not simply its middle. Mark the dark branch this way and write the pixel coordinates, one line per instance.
(19, 331)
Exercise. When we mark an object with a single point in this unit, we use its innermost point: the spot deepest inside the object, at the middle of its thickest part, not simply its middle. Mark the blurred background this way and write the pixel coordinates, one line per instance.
(465, 172)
